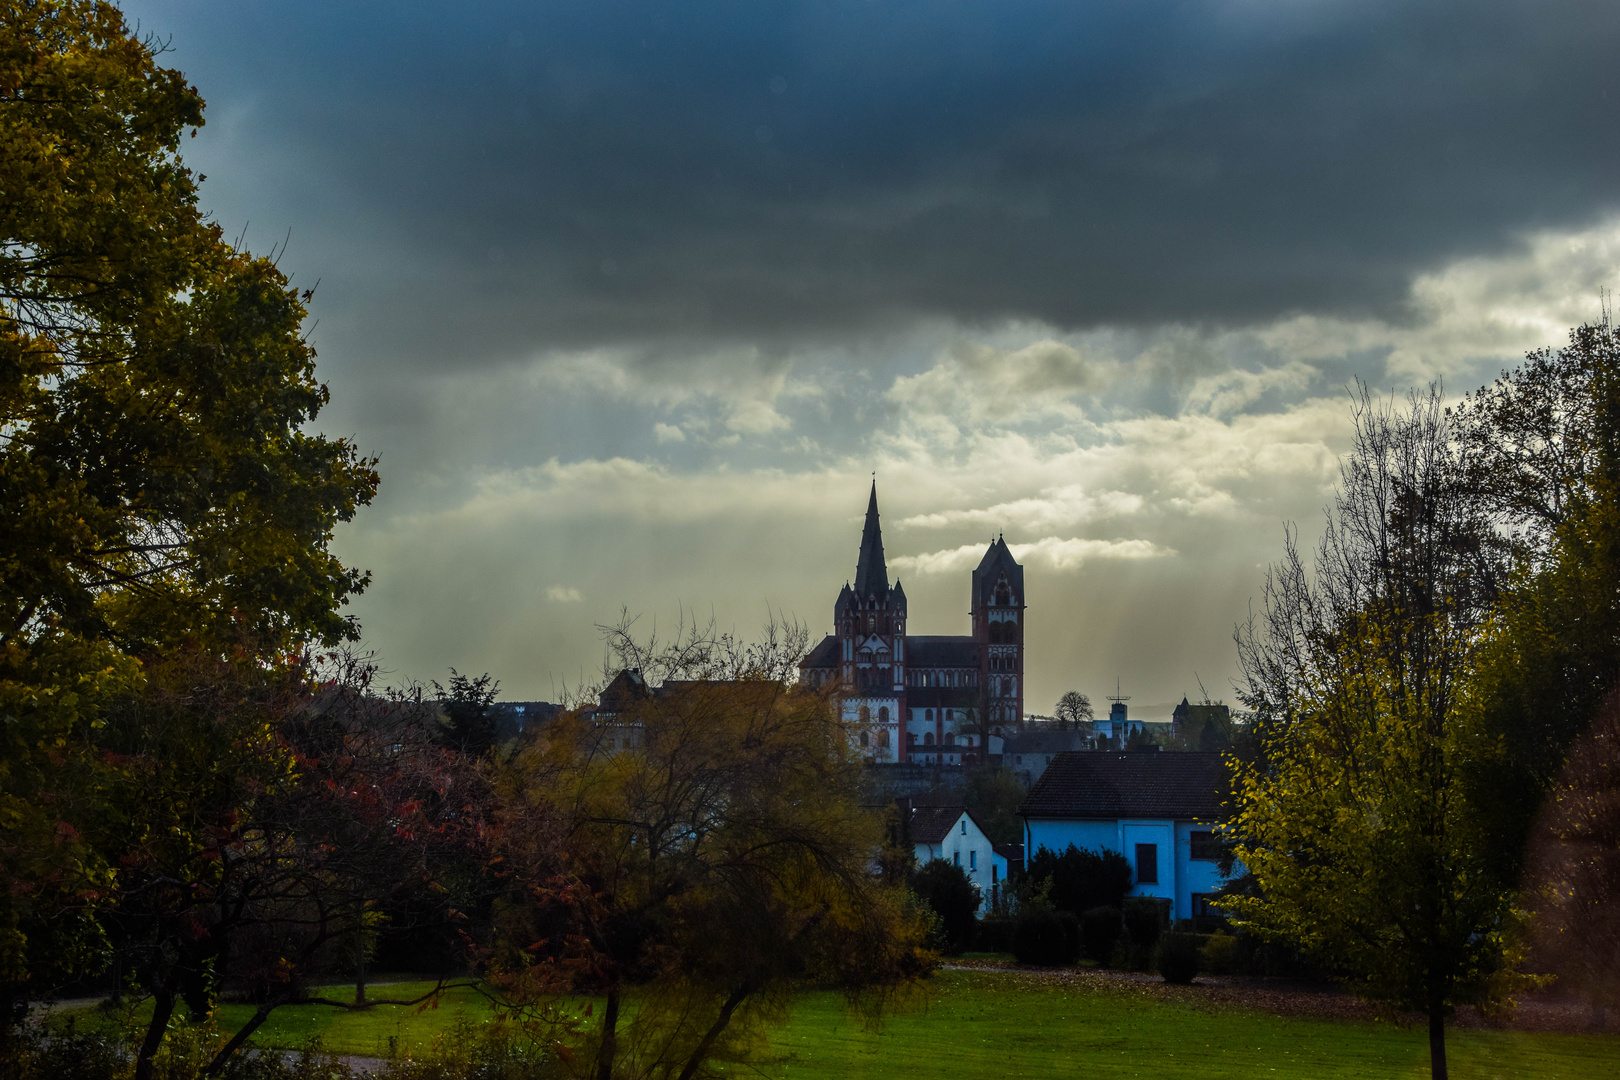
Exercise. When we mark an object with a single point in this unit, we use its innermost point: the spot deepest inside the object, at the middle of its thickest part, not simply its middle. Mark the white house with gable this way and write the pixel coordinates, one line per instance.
(951, 833)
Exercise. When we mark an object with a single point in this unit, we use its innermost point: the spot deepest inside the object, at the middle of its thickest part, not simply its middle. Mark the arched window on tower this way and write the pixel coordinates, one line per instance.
(883, 715)
(865, 740)
(928, 715)
(866, 715)
(950, 738)
(928, 738)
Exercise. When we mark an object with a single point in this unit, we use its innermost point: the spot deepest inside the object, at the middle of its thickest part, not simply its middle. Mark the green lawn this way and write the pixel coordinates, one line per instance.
(1000, 1025)
(368, 1031)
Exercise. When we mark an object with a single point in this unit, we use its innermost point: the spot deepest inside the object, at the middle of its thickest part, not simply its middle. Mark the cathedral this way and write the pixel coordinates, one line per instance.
(936, 700)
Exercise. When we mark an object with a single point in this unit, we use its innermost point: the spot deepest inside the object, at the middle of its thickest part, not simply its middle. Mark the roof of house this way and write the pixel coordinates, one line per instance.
(943, 651)
(1013, 852)
(1042, 742)
(931, 824)
(942, 697)
(1114, 784)
(625, 689)
(824, 655)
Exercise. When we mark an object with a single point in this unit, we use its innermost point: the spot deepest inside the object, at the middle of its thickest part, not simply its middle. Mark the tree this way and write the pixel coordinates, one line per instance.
(695, 877)
(1355, 821)
(1544, 450)
(1072, 710)
(160, 490)
(1079, 879)
(289, 817)
(469, 727)
(993, 795)
(1573, 877)
(947, 890)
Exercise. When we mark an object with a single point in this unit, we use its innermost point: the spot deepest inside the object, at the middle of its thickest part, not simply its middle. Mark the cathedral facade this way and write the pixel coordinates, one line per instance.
(928, 699)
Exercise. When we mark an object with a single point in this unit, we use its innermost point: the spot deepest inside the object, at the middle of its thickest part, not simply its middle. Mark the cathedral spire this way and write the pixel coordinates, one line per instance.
(871, 574)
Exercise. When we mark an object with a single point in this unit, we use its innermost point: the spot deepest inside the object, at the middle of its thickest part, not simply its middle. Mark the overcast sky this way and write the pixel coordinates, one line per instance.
(633, 298)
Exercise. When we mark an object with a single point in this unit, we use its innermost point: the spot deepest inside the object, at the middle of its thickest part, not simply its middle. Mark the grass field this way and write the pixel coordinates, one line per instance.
(991, 1025)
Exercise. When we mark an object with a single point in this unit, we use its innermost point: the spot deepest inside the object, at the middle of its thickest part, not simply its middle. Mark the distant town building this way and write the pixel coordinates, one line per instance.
(940, 700)
(1201, 727)
(1029, 752)
(1119, 727)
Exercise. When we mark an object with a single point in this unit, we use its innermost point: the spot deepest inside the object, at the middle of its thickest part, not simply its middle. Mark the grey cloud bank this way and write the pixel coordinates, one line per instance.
(631, 297)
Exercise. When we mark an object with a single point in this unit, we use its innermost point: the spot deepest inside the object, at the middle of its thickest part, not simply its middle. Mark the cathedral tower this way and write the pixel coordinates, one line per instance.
(870, 621)
(998, 626)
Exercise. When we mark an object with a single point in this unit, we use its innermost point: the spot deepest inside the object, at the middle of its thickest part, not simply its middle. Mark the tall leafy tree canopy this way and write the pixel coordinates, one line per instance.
(1356, 819)
(160, 487)
(1544, 450)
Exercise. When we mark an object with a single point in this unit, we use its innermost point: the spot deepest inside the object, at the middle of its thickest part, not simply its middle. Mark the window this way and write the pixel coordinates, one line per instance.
(883, 715)
(963, 824)
(956, 857)
(950, 738)
(1147, 864)
(1205, 847)
(866, 715)
(911, 738)
(865, 739)
(973, 860)
(883, 739)
(995, 872)
(929, 714)
(928, 738)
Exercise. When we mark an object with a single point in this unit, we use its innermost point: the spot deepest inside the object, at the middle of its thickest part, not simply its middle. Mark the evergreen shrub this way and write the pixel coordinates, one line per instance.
(946, 888)
(995, 935)
(1100, 930)
(1045, 938)
(1145, 920)
(1219, 954)
(1178, 957)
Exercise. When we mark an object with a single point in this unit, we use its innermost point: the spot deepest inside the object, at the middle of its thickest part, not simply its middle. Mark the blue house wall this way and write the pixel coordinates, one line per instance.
(1180, 875)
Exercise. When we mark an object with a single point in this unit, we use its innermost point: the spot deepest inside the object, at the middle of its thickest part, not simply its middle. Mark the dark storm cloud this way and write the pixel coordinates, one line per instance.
(567, 173)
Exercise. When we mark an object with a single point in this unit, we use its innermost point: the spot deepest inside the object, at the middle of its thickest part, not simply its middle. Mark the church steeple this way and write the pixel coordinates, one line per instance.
(871, 574)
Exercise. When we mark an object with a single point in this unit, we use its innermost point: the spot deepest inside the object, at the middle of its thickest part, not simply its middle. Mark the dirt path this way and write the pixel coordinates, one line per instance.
(1295, 997)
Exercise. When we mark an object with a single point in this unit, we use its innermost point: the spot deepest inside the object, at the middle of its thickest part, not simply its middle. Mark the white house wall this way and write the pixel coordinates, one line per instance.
(973, 853)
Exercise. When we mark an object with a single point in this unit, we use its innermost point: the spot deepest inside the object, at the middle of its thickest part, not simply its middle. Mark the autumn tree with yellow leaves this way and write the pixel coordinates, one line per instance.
(693, 859)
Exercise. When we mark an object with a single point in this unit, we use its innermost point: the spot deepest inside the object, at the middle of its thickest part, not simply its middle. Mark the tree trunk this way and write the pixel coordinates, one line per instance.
(1437, 1045)
(260, 1015)
(360, 970)
(162, 1010)
(610, 1037)
(706, 1044)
